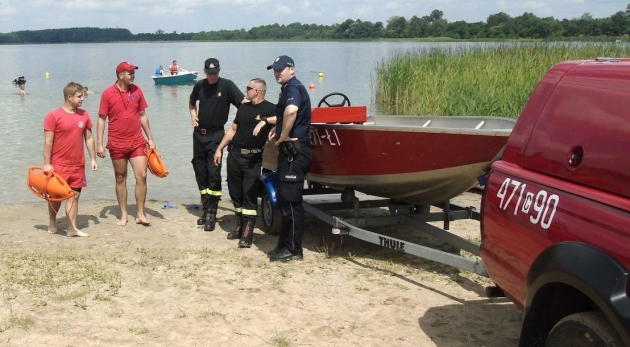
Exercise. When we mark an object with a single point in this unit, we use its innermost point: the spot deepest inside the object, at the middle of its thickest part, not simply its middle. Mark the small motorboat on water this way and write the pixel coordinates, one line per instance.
(415, 159)
(182, 77)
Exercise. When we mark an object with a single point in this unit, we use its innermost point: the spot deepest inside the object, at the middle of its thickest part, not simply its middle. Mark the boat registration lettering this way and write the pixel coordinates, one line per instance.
(324, 137)
(539, 205)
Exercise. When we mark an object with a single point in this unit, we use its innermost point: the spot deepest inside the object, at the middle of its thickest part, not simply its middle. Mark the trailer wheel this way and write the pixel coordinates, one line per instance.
(584, 329)
(271, 216)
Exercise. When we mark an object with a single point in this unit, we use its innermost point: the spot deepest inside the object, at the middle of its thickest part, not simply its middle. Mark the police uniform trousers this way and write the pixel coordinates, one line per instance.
(207, 174)
(243, 179)
(291, 173)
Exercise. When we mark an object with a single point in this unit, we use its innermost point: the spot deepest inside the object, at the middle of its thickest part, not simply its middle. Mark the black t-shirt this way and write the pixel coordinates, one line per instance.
(294, 93)
(214, 101)
(246, 122)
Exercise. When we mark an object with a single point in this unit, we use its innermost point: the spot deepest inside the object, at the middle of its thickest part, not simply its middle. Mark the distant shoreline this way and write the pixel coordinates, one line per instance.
(432, 39)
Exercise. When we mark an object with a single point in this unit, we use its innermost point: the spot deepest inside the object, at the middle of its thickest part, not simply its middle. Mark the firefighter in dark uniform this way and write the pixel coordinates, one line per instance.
(246, 138)
(291, 135)
(215, 95)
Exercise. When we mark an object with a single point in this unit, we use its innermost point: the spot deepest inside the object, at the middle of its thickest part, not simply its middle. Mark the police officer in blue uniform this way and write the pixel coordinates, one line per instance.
(215, 95)
(246, 138)
(291, 135)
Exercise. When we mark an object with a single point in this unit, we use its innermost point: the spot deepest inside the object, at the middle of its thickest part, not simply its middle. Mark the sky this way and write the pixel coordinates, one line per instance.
(185, 16)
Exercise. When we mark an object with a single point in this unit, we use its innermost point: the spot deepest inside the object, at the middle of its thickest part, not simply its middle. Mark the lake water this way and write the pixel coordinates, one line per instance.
(347, 67)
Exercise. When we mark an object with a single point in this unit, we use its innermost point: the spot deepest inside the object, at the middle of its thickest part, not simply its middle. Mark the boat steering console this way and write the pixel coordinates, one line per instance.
(343, 102)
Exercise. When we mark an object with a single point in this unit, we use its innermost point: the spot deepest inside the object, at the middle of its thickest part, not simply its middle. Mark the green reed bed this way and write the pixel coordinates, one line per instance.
(478, 81)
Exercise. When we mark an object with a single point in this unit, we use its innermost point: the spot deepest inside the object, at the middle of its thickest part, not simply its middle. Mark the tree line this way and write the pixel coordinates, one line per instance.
(85, 35)
(497, 26)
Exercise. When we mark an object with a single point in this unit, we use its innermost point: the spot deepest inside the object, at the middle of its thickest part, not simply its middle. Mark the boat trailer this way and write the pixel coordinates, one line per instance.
(417, 217)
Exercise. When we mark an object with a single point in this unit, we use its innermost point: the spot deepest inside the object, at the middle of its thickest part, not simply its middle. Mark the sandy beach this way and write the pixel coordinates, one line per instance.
(172, 284)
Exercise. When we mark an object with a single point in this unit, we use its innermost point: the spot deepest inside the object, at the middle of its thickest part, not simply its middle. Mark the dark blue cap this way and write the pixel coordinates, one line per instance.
(281, 62)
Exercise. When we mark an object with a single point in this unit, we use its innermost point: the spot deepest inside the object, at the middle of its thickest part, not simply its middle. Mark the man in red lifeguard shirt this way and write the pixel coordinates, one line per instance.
(65, 129)
(123, 104)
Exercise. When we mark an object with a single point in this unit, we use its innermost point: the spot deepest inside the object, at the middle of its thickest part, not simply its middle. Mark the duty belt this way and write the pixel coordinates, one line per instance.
(248, 151)
(300, 144)
(208, 130)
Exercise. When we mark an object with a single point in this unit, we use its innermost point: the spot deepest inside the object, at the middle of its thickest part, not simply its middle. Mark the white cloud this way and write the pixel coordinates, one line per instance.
(165, 11)
(534, 5)
(393, 5)
(341, 15)
(89, 5)
(283, 9)
(248, 2)
(6, 10)
(364, 11)
(204, 15)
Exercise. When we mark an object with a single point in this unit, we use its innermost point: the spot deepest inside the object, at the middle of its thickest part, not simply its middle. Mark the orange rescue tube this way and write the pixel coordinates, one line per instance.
(155, 163)
(48, 186)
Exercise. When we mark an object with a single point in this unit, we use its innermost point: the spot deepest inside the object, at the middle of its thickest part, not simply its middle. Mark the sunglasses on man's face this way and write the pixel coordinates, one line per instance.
(249, 88)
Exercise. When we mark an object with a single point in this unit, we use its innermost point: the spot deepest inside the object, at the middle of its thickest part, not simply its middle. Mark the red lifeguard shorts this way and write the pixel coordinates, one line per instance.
(126, 149)
(74, 175)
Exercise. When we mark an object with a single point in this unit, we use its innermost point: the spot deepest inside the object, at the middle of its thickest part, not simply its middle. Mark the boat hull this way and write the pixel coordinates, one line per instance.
(181, 78)
(416, 159)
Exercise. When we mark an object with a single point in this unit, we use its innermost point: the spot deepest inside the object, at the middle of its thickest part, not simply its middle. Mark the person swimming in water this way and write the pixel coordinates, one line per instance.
(19, 81)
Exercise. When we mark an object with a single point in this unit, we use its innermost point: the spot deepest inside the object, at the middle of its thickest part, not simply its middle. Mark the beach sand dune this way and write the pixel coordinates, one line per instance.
(172, 284)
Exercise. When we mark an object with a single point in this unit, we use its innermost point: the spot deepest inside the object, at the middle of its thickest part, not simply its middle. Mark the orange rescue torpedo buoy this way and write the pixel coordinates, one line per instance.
(48, 185)
(155, 163)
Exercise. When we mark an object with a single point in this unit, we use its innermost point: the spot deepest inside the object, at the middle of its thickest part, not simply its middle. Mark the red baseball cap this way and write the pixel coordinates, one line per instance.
(125, 66)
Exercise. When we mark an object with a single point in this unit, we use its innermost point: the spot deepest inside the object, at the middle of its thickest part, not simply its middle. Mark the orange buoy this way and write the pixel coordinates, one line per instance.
(48, 185)
(156, 165)
(311, 86)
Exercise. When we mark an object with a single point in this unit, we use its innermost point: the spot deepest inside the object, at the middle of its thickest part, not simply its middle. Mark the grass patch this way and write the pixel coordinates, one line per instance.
(80, 303)
(280, 341)
(481, 80)
(212, 314)
(16, 321)
(139, 330)
(64, 275)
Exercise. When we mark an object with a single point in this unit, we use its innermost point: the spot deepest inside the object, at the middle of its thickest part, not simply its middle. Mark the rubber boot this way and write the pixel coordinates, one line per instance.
(205, 200)
(248, 233)
(211, 217)
(238, 231)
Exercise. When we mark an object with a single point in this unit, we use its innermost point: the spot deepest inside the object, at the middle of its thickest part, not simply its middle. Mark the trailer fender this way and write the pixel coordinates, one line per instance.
(270, 180)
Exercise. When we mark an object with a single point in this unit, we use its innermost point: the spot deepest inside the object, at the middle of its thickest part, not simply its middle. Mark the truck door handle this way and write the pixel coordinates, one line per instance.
(576, 156)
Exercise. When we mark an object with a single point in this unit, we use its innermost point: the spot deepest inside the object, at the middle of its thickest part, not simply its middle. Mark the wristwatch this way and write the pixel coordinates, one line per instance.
(264, 119)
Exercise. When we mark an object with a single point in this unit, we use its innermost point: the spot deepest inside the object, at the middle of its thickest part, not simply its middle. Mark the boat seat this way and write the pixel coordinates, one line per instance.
(350, 114)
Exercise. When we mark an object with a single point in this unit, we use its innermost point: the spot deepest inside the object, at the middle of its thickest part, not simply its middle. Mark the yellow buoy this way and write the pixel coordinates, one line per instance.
(321, 74)
(47, 74)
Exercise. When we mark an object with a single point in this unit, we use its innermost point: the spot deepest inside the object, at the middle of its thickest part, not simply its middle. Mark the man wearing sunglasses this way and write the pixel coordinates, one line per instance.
(246, 138)
(215, 95)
